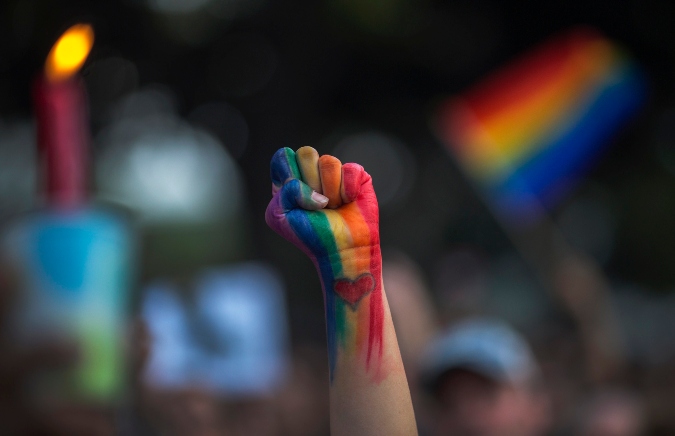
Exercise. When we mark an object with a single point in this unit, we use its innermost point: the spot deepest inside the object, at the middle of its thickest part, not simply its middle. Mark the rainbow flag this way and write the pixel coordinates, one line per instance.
(529, 131)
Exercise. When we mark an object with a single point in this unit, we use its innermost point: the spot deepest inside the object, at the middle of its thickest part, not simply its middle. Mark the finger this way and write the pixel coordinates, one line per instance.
(284, 167)
(352, 180)
(296, 194)
(308, 162)
(331, 175)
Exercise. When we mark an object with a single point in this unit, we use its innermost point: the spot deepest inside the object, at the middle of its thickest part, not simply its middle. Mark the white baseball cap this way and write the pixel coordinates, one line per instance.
(484, 346)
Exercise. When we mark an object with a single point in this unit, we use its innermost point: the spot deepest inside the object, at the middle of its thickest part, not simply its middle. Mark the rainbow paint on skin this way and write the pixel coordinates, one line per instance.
(528, 131)
(342, 239)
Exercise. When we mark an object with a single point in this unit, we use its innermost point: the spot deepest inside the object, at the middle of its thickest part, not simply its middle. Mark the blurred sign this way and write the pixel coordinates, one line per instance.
(530, 130)
(230, 336)
(75, 269)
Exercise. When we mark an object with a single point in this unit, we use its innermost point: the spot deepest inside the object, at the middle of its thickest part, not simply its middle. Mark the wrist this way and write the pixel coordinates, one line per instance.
(352, 284)
(349, 263)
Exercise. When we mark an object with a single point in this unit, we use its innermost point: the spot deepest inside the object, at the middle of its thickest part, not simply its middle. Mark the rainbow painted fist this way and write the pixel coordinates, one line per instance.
(329, 210)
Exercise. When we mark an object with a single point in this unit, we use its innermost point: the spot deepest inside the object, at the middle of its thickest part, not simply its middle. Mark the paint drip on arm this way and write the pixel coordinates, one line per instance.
(339, 231)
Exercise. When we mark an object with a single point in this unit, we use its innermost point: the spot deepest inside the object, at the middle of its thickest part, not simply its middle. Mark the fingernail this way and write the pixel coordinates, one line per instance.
(321, 199)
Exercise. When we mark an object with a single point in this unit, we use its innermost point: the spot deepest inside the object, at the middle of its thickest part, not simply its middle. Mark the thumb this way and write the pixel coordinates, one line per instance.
(292, 195)
(296, 194)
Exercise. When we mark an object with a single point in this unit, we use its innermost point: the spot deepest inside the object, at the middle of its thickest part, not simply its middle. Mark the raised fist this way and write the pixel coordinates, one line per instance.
(330, 211)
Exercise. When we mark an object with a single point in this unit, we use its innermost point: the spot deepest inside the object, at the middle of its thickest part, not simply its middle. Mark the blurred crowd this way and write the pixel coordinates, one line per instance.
(470, 373)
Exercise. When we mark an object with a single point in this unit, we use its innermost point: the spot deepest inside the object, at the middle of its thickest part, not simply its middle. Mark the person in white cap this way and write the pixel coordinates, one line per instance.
(485, 382)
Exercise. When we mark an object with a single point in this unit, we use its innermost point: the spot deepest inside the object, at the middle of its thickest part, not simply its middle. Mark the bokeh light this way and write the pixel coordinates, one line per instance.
(166, 170)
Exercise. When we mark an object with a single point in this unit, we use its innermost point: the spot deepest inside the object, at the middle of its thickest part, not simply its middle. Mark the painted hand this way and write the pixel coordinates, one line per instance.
(330, 211)
(338, 229)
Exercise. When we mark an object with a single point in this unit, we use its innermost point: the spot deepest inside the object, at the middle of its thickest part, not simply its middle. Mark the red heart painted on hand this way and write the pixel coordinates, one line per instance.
(352, 291)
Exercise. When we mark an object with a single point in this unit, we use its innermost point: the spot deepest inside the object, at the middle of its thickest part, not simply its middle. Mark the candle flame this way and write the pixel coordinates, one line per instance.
(69, 53)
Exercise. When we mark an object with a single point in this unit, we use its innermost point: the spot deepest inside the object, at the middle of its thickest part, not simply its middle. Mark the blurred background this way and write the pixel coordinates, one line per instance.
(188, 100)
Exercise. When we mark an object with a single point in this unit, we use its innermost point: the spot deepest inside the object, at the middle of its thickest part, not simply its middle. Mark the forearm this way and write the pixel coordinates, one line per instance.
(330, 211)
(369, 392)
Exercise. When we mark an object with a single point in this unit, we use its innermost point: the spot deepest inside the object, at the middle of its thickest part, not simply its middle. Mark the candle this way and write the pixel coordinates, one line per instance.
(60, 104)
(74, 260)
